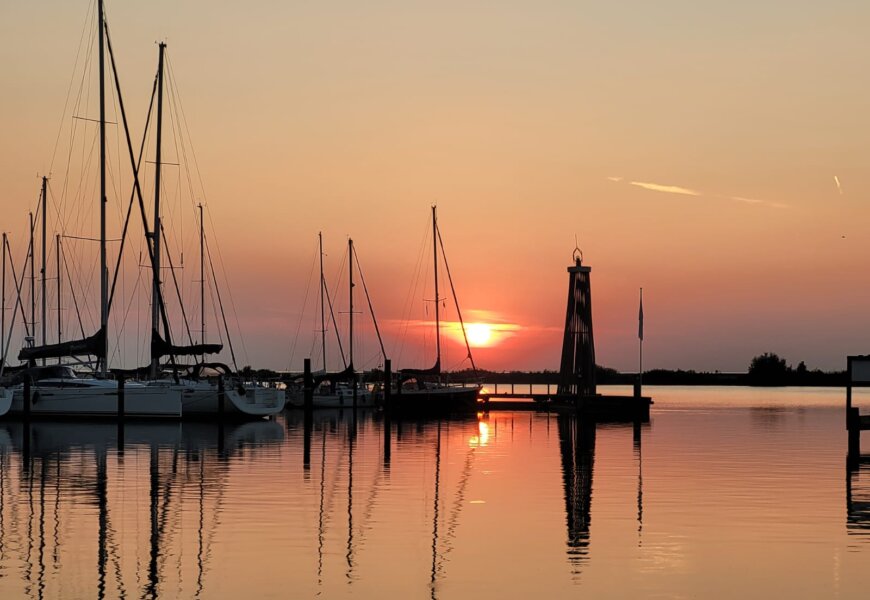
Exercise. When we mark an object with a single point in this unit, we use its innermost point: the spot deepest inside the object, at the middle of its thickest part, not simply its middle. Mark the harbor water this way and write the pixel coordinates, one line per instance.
(725, 493)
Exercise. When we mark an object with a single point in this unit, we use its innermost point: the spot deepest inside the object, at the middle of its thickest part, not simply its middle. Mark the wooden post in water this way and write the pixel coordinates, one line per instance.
(307, 386)
(388, 399)
(388, 378)
(222, 396)
(121, 402)
(27, 384)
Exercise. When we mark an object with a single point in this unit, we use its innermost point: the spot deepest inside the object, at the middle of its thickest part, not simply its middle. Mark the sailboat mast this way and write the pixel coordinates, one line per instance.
(104, 275)
(155, 234)
(437, 298)
(42, 272)
(202, 275)
(32, 281)
(322, 309)
(59, 290)
(350, 291)
(3, 306)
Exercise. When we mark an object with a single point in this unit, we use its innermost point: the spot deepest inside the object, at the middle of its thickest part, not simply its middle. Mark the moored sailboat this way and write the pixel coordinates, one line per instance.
(342, 389)
(63, 392)
(430, 393)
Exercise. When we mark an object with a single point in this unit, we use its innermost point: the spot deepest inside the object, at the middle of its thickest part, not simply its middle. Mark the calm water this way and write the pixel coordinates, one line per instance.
(726, 493)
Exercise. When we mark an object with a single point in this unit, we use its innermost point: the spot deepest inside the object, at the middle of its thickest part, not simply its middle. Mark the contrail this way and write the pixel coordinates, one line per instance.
(675, 189)
(668, 189)
(839, 187)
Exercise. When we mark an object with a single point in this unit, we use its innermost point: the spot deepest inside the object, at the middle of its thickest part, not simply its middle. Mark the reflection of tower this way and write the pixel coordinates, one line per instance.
(857, 496)
(577, 373)
(577, 446)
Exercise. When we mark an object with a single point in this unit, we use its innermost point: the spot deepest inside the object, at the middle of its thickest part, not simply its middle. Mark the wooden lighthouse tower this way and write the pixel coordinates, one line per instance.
(577, 372)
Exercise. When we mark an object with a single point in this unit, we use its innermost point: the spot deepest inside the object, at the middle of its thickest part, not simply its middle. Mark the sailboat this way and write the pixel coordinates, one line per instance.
(58, 390)
(209, 389)
(435, 396)
(337, 390)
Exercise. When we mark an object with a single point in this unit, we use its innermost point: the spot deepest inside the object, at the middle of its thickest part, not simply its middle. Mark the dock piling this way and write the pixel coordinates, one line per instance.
(27, 396)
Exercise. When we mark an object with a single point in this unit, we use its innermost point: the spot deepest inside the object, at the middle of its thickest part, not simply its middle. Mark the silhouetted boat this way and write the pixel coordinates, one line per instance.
(61, 391)
(209, 389)
(430, 394)
(342, 389)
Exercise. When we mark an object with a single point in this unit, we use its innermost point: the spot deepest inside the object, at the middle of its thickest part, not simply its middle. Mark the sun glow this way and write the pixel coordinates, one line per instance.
(479, 334)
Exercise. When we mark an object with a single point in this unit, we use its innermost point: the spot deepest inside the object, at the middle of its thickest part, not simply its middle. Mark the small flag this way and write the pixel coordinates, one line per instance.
(640, 318)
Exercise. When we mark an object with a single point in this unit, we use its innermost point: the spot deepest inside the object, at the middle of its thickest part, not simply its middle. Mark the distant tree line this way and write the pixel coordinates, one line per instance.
(766, 369)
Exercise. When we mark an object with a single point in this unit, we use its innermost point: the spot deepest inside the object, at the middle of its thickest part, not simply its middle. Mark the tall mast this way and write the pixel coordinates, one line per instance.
(350, 291)
(59, 290)
(155, 234)
(104, 274)
(322, 313)
(32, 282)
(42, 271)
(202, 275)
(437, 298)
(3, 306)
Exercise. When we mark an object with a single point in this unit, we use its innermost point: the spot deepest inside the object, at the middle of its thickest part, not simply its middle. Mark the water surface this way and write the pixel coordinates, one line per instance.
(727, 492)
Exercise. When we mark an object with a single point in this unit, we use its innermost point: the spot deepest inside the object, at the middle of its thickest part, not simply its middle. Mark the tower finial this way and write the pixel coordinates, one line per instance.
(578, 253)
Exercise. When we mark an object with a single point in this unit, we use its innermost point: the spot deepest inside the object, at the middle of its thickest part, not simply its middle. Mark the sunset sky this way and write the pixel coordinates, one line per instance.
(715, 154)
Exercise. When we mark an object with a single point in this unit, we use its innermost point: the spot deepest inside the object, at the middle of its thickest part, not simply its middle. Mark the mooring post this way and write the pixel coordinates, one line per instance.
(222, 394)
(388, 399)
(853, 424)
(307, 386)
(121, 402)
(388, 380)
(26, 408)
(354, 390)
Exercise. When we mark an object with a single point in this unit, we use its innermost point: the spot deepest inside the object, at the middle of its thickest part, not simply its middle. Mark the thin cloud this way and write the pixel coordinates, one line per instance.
(668, 189)
(839, 187)
(676, 189)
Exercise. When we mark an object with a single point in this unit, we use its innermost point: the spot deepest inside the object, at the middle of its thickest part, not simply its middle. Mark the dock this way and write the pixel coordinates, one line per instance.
(857, 375)
(597, 406)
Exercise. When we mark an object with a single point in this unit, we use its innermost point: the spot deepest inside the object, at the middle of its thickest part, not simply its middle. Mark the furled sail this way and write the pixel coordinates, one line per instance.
(89, 346)
(160, 347)
(408, 373)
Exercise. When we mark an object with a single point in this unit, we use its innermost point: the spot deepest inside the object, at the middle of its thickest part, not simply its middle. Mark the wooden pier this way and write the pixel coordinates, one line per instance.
(857, 375)
(598, 406)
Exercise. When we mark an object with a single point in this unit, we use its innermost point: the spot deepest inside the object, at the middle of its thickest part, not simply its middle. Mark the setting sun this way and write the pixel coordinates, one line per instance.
(479, 334)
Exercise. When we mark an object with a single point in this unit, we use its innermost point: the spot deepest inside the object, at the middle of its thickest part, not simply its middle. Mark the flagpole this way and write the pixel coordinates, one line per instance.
(640, 346)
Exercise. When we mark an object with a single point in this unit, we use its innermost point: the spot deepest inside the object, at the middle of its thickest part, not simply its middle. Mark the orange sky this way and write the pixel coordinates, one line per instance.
(692, 149)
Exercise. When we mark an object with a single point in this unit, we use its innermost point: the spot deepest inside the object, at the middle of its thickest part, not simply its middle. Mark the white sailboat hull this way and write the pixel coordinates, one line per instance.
(5, 400)
(364, 399)
(98, 401)
(201, 399)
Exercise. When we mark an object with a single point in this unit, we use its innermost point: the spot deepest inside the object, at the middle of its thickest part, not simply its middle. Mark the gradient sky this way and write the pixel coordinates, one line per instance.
(715, 154)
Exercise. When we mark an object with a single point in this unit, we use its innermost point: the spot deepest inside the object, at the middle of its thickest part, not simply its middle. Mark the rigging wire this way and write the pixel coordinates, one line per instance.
(301, 314)
(407, 307)
(455, 298)
(369, 300)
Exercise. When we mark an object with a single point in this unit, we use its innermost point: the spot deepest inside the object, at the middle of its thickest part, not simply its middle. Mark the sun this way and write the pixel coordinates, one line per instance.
(479, 334)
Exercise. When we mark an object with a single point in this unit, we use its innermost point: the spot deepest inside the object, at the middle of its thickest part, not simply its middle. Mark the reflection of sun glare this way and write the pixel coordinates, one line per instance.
(482, 437)
(479, 334)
